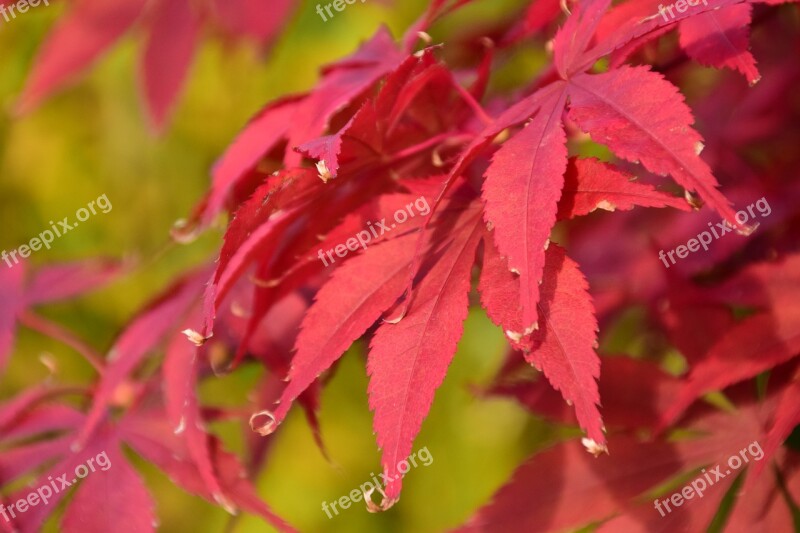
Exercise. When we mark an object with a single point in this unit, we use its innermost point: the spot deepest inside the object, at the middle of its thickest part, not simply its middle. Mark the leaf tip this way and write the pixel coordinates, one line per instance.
(225, 503)
(384, 505)
(605, 205)
(266, 428)
(323, 171)
(747, 230)
(184, 232)
(396, 319)
(195, 337)
(181, 426)
(692, 199)
(699, 147)
(502, 137)
(594, 447)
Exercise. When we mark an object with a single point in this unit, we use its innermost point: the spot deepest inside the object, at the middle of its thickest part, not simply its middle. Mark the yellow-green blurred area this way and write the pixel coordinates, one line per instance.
(93, 139)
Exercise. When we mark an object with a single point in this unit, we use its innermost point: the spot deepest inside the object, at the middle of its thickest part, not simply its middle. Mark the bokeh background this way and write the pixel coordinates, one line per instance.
(93, 139)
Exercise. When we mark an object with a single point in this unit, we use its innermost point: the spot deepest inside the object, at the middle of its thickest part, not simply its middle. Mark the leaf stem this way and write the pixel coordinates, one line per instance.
(57, 332)
(476, 107)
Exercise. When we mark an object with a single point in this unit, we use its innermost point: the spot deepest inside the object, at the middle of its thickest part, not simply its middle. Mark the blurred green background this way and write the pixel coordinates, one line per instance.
(93, 139)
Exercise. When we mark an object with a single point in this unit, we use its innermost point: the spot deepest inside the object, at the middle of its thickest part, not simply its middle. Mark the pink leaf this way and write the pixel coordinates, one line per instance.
(343, 82)
(564, 488)
(785, 419)
(521, 191)
(171, 43)
(11, 304)
(67, 280)
(180, 377)
(564, 345)
(721, 38)
(256, 139)
(253, 18)
(149, 434)
(590, 185)
(408, 360)
(755, 345)
(78, 39)
(573, 38)
(141, 336)
(112, 500)
(499, 288)
(634, 23)
(349, 303)
(654, 129)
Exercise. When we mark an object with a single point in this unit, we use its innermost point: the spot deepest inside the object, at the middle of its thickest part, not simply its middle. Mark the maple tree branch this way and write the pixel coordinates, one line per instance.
(476, 107)
(57, 332)
(417, 148)
(65, 390)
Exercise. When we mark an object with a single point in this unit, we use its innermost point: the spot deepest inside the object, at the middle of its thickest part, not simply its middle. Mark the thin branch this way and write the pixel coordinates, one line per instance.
(57, 332)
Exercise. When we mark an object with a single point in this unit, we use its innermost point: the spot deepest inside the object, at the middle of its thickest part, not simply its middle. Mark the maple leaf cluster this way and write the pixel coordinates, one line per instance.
(516, 206)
